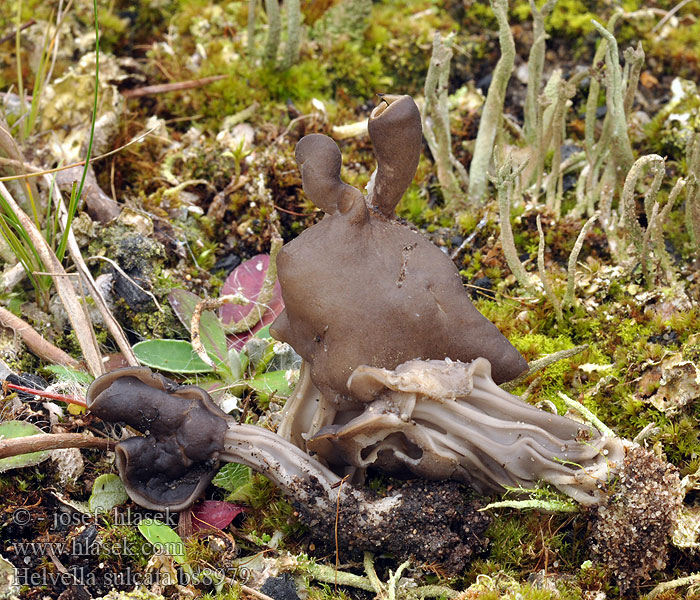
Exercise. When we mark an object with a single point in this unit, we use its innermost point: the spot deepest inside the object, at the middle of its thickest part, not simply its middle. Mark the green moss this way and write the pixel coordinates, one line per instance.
(271, 513)
(123, 544)
(230, 592)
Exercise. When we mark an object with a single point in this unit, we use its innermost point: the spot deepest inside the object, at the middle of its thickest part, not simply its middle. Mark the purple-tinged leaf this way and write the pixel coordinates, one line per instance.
(214, 514)
(247, 279)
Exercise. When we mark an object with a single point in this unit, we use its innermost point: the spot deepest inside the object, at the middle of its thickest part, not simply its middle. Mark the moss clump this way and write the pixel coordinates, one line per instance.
(123, 545)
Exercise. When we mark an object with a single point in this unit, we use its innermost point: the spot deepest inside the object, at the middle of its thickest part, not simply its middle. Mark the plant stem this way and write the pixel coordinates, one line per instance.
(51, 441)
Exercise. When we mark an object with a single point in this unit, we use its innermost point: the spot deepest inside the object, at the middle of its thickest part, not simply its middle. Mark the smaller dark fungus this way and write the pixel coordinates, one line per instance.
(184, 435)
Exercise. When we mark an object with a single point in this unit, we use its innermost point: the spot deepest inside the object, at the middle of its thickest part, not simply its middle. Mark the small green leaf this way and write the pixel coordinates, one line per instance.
(70, 374)
(18, 429)
(175, 356)
(272, 381)
(237, 480)
(263, 333)
(232, 476)
(107, 492)
(163, 539)
(235, 364)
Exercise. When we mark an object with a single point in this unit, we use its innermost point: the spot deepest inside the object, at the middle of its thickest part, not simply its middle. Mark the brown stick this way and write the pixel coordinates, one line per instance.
(171, 87)
(12, 34)
(37, 344)
(51, 441)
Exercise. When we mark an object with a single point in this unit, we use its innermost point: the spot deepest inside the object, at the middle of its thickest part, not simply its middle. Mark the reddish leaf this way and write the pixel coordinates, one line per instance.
(214, 514)
(247, 279)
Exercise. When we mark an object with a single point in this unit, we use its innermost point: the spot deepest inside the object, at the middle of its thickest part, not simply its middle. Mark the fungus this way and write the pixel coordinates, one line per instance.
(397, 373)
(361, 288)
(187, 436)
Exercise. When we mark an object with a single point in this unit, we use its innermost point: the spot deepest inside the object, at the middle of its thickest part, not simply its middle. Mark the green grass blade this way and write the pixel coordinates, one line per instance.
(38, 83)
(73, 205)
(18, 50)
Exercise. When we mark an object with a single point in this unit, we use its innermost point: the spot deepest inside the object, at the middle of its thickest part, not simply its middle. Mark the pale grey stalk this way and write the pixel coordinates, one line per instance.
(291, 51)
(555, 138)
(634, 59)
(657, 233)
(620, 143)
(594, 91)
(582, 196)
(252, 7)
(692, 192)
(605, 190)
(569, 295)
(546, 283)
(588, 415)
(653, 190)
(535, 66)
(542, 363)
(630, 223)
(436, 120)
(493, 107)
(274, 30)
(504, 182)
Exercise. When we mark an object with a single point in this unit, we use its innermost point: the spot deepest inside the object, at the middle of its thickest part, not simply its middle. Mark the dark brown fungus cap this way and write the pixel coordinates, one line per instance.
(360, 288)
(396, 134)
(184, 434)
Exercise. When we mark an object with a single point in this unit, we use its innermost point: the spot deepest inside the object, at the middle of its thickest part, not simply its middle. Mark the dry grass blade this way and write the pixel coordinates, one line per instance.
(112, 325)
(76, 312)
(171, 87)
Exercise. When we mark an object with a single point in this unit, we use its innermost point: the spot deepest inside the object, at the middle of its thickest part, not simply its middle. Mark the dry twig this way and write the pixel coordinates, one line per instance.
(35, 342)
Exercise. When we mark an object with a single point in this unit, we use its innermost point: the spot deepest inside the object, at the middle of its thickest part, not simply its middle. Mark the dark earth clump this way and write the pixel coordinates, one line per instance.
(280, 588)
(433, 522)
(631, 526)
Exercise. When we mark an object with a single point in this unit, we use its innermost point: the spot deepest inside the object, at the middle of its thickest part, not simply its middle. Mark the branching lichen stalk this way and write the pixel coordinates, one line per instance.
(493, 107)
(274, 31)
(504, 182)
(535, 66)
(593, 92)
(252, 7)
(436, 121)
(291, 51)
(549, 292)
(634, 59)
(620, 142)
(569, 295)
(692, 190)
